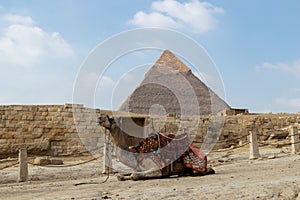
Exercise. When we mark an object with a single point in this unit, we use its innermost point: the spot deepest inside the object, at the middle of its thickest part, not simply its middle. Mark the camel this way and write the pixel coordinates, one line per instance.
(147, 167)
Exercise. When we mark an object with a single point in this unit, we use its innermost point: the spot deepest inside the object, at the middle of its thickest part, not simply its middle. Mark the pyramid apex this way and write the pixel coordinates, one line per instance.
(168, 59)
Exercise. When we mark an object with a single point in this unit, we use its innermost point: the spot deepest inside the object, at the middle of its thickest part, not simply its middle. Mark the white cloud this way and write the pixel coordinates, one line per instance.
(292, 103)
(153, 19)
(293, 67)
(22, 43)
(18, 19)
(90, 81)
(106, 82)
(129, 78)
(194, 16)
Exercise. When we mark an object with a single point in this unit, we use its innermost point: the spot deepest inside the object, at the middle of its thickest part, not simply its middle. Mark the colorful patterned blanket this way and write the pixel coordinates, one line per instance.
(166, 149)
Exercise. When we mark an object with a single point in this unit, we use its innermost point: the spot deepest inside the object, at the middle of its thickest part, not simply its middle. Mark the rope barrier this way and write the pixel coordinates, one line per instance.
(235, 138)
(262, 144)
(62, 166)
(70, 154)
(53, 166)
(224, 140)
(9, 166)
(293, 135)
(230, 149)
(9, 160)
(273, 144)
(295, 142)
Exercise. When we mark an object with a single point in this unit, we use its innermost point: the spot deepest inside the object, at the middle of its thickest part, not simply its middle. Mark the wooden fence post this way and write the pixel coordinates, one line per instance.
(295, 139)
(254, 151)
(23, 165)
(107, 157)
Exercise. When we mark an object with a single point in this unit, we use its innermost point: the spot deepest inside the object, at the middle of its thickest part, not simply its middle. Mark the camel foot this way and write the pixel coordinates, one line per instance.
(210, 171)
(123, 177)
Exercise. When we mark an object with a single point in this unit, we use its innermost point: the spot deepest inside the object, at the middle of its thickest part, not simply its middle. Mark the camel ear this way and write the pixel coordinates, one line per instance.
(110, 119)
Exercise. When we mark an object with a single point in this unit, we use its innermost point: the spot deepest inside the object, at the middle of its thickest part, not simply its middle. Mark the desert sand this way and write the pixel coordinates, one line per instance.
(275, 176)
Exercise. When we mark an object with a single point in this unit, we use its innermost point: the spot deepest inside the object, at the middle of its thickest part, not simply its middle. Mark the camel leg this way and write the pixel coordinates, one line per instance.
(149, 174)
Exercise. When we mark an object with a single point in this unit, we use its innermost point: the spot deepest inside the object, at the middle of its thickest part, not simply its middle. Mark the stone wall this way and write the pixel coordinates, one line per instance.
(267, 126)
(235, 129)
(51, 129)
(48, 129)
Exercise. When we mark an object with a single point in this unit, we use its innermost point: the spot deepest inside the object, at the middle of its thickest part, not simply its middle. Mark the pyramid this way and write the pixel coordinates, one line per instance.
(170, 87)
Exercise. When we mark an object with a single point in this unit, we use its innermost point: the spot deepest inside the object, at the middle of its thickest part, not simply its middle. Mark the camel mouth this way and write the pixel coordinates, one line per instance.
(100, 121)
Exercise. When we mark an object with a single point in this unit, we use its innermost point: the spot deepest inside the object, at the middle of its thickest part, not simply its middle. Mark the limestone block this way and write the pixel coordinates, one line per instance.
(7, 112)
(278, 134)
(13, 112)
(38, 140)
(30, 117)
(42, 161)
(67, 114)
(60, 151)
(56, 162)
(74, 135)
(6, 135)
(54, 122)
(49, 118)
(53, 109)
(30, 129)
(38, 117)
(74, 142)
(62, 144)
(44, 113)
(18, 117)
(231, 120)
(226, 132)
(52, 114)
(3, 141)
(29, 140)
(38, 130)
(10, 117)
(82, 127)
(43, 109)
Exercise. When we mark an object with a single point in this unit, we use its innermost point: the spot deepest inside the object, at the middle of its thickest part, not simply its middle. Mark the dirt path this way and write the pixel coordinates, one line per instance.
(277, 178)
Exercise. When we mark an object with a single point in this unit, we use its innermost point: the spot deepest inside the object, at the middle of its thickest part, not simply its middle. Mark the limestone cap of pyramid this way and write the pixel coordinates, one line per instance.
(169, 60)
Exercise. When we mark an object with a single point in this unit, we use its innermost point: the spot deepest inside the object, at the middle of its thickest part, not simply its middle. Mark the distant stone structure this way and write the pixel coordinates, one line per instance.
(233, 111)
(172, 85)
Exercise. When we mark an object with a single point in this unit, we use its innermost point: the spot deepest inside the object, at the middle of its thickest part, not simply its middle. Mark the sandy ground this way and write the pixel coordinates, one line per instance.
(236, 178)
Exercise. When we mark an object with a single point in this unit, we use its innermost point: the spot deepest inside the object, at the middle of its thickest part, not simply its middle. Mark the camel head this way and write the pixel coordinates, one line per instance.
(109, 124)
(106, 121)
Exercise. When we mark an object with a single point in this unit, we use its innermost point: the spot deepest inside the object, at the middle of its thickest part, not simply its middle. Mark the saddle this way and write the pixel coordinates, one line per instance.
(164, 150)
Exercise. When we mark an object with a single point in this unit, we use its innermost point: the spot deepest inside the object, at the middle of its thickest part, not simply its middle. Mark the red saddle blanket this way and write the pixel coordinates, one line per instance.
(166, 149)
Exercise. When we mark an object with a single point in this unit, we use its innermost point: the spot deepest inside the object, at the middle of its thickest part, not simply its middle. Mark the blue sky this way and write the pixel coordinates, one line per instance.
(255, 45)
